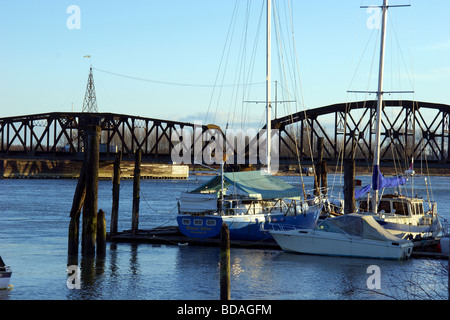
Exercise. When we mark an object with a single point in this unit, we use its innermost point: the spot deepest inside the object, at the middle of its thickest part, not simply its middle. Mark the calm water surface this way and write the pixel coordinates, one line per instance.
(34, 219)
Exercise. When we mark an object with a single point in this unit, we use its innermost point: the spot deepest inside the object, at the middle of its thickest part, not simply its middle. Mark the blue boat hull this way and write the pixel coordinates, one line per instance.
(242, 227)
(199, 227)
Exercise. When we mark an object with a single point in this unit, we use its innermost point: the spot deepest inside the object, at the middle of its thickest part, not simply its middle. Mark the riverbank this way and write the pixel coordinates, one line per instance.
(67, 169)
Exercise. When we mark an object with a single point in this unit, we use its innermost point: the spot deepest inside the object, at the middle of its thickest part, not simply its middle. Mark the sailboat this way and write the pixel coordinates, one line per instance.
(5, 275)
(403, 216)
(247, 201)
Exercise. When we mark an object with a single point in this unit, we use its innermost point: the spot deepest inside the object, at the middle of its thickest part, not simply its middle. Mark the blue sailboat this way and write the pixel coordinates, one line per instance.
(247, 202)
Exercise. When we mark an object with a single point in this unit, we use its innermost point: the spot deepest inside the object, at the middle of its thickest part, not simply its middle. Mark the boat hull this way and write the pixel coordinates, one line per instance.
(199, 227)
(403, 230)
(314, 242)
(243, 227)
(5, 276)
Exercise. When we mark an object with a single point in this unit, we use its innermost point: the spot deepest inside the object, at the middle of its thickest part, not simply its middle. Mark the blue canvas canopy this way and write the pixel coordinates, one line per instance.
(380, 182)
(257, 184)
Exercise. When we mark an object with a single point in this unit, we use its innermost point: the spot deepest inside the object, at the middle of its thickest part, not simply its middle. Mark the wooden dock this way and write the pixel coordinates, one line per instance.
(172, 236)
(426, 248)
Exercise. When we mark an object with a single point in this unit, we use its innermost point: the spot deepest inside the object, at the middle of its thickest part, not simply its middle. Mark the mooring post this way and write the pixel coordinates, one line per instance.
(136, 192)
(101, 232)
(91, 199)
(318, 167)
(323, 177)
(225, 263)
(115, 195)
(349, 181)
(77, 205)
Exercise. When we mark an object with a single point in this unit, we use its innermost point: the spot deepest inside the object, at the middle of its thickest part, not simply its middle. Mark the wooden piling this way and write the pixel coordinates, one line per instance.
(349, 181)
(115, 195)
(323, 177)
(77, 205)
(91, 199)
(136, 192)
(101, 232)
(225, 263)
(320, 175)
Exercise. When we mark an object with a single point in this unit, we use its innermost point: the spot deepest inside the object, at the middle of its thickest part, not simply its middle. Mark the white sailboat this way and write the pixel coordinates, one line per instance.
(349, 235)
(5, 275)
(247, 201)
(384, 224)
(402, 216)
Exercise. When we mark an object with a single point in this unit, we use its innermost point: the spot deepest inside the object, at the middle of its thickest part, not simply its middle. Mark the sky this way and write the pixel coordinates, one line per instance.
(183, 60)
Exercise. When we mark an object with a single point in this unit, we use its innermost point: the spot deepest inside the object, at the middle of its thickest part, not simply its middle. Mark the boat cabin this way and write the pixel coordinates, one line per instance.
(395, 204)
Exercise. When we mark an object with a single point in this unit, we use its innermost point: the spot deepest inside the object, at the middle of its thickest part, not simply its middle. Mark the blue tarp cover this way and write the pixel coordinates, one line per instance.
(380, 182)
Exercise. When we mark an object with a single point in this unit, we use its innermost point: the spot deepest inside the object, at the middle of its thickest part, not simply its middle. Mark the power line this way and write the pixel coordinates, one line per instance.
(174, 83)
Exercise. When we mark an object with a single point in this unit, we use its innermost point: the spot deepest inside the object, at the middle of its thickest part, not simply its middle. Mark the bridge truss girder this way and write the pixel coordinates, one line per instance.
(409, 129)
(60, 134)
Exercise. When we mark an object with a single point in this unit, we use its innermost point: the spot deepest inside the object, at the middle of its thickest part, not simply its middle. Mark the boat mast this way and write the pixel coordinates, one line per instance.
(268, 80)
(376, 160)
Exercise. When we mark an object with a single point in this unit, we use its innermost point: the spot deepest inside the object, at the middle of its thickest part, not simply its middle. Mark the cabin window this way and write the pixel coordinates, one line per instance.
(198, 222)
(418, 208)
(385, 205)
(328, 226)
(400, 208)
(364, 207)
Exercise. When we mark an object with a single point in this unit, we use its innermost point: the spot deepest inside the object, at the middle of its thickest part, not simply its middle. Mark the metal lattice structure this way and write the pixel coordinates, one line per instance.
(90, 99)
(410, 129)
(60, 134)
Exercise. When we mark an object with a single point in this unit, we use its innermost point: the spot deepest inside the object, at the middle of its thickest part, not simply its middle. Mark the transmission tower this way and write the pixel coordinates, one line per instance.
(90, 101)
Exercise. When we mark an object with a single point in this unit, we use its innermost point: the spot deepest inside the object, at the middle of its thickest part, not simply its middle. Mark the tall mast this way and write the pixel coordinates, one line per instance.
(376, 160)
(268, 80)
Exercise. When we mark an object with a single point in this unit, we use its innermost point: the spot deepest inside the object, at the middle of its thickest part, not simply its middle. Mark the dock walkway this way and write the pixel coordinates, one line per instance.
(172, 236)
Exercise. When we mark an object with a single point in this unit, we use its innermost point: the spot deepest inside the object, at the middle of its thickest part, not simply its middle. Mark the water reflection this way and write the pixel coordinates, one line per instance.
(34, 242)
(91, 270)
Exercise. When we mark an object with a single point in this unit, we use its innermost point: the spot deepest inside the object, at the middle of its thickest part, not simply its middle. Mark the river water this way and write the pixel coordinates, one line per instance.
(34, 219)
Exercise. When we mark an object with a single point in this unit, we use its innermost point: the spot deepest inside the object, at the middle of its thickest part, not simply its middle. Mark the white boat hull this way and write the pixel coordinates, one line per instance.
(5, 276)
(315, 242)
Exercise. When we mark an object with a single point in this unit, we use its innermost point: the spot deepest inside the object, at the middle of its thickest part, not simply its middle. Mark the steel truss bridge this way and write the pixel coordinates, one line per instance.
(410, 129)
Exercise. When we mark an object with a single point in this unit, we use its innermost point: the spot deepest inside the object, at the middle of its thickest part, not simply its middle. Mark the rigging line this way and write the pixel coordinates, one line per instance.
(362, 55)
(300, 87)
(240, 67)
(400, 50)
(246, 88)
(227, 42)
(253, 62)
(289, 105)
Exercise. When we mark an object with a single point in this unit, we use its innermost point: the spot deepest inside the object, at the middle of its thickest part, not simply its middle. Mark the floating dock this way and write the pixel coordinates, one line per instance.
(425, 248)
(173, 236)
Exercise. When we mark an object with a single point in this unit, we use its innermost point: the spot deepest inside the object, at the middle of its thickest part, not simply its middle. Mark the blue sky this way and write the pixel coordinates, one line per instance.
(178, 47)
